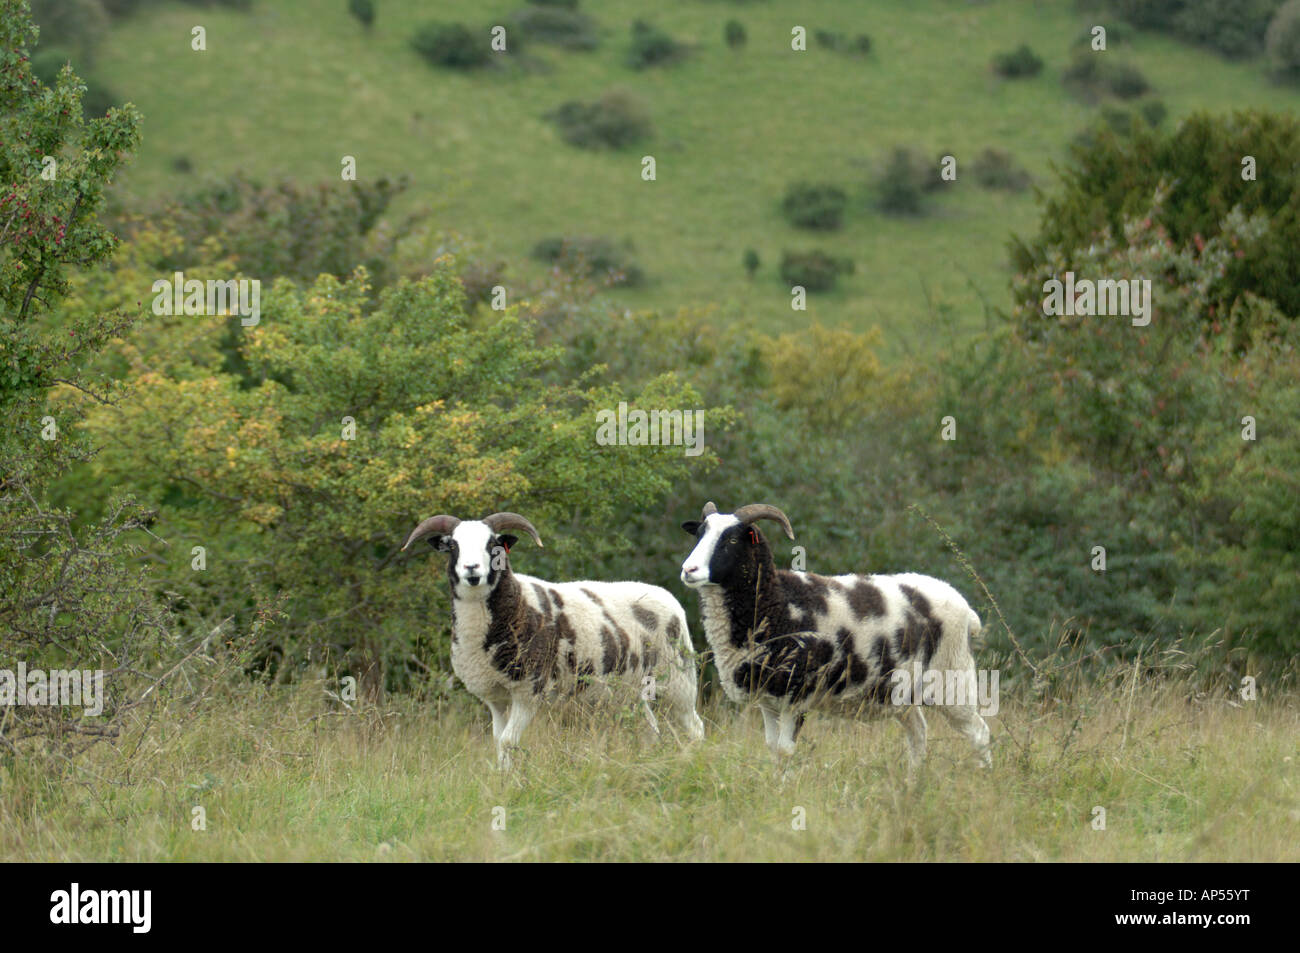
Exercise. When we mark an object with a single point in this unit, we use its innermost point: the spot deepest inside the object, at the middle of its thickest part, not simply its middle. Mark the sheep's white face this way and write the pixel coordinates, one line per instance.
(718, 534)
(477, 557)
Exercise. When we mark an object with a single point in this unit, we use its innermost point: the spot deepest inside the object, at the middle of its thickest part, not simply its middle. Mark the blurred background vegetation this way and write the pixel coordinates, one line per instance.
(522, 169)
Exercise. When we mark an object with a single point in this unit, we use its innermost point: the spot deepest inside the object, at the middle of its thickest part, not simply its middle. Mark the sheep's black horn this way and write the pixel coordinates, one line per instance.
(499, 521)
(441, 524)
(764, 511)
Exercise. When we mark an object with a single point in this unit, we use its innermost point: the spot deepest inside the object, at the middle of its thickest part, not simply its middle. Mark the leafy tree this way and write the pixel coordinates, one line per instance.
(1112, 177)
(363, 417)
(68, 597)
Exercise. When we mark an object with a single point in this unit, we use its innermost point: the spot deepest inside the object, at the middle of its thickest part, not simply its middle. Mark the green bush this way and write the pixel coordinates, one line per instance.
(291, 230)
(995, 169)
(828, 40)
(903, 181)
(734, 33)
(840, 42)
(651, 46)
(815, 270)
(1127, 82)
(1284, 42)
(452, 45)
(1234, 29)
(1018, 63)
(616, 120)
(1115, 175)
(557, 26)
(1093, 75)
(1149, 14)
(751, 261)
(590, 257)
(363, 11)
(75, 25)
(816, 206)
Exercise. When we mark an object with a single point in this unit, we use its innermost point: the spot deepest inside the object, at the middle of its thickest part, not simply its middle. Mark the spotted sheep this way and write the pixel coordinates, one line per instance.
(517, 641)
(794, 641)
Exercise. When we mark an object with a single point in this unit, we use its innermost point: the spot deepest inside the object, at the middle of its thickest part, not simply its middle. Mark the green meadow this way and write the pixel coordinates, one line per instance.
(288, 88)
(278, 776)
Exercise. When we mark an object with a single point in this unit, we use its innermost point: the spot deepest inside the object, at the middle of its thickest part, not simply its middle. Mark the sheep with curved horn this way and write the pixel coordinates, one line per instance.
(794, 641)
(517, 640)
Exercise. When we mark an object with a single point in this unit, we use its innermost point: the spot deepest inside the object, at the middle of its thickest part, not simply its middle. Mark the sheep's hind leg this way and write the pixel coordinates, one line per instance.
(968, 721)
(678, 696)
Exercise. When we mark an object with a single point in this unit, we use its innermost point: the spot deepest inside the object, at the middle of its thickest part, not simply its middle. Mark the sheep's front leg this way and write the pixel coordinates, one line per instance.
(914, 724)
(498, 708)
(522, 709)
(771, 726)
(788, 725)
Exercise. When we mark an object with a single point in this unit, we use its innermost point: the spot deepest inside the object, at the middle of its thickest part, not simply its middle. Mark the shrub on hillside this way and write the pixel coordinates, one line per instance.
(1114, 175)
(1149, 14)
(828, 374)
(1284, 42)
(734, 33)
(452, 45)
(903, 181)
(840, 42)
(1018, 63)
(291, 230)
(815, 270)
(590, 257)
(1154, 111)
(818, 206)
(363, 11)
(1233, 29)
(75, 25)
(995, 169)
(651, 46)
(557, 26)
(615, 120)
(1094, 75)
(751, 261)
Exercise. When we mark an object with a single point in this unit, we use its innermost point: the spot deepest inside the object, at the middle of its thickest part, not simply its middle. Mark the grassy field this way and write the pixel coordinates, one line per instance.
(290, 87)
(282, 779)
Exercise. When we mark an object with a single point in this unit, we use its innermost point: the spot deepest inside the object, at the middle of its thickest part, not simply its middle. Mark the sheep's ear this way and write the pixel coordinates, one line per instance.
(508, 541)
(441, 543)
(692, 527)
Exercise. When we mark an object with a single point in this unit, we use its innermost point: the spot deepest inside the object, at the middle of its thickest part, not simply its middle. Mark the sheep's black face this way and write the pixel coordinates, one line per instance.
(726, 551)
(476, 558)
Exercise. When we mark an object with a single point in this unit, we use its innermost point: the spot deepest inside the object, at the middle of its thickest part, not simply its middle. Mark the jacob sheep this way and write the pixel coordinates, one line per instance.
(794, 641)
(517, 640)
